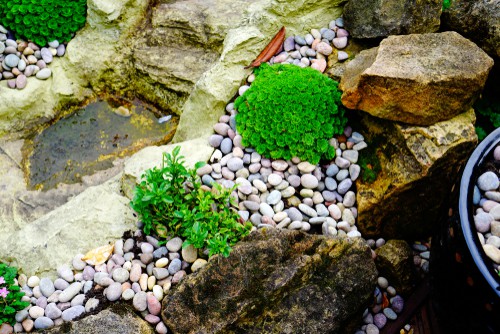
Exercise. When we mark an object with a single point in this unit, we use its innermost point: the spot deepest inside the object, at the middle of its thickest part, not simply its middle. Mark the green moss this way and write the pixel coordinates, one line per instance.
(43, 21)
(290, 111)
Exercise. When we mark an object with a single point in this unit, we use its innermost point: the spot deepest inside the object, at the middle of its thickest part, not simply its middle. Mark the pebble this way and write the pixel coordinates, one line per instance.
(483, 221)
(174, 266)
(161, 328)
(488, 181)
(397, 304)
(492, 252)
(344, 186)
(44, 73)
(390, 314)
(70, 292)
(379, 320)
(73, 312)
(36, 312)
(140, 301)
(33, 281)
(40, 323)
(308, 210)
(120, 275)
(342, 55)
(174, 244)
(52, 311)
(382, 282)
(309, 181)
(114, 291)
(189, 254)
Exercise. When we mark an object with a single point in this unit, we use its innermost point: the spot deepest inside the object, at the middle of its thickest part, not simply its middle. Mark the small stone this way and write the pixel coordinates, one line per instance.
(324, 48)
(342, 55)
(140, 301)
(78, 300)
(44, 73)
(309, 181)
(390, 314)
(328, 34)
(488, 181)
(274, 197)
(235, 164)
(41, 323)
(379, 320)
(382, 282)
(339, 22)
(189, 254)
(308, 210)
(397, 304)
(154, 306)
(73, 312)
(91, 304)
(36, 312)
(70, 292)
(52, 311)
(161, 328)
(33, 281)
(174, 266)
(483, 221)
(46, 287)
(198, 264)
(319, 64)
(344, 186)
(11, 60)
(492, 252)
(174, 244)
(46, 55)
(349, 199)
(222, 129)
(266, 210)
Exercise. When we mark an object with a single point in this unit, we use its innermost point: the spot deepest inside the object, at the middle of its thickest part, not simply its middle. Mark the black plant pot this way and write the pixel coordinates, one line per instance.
(465, 286)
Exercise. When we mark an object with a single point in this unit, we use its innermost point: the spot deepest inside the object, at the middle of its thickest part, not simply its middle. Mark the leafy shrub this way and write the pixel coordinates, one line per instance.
(42, 21)
(290, 111)
(171, 202)
(10, 295)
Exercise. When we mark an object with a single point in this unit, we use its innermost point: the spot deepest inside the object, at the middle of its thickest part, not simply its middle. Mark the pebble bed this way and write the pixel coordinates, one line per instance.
(487, 218)
(270, 193)
(21, 59)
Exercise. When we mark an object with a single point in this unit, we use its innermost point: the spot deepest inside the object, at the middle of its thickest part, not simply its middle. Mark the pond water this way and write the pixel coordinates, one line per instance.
(90, 139)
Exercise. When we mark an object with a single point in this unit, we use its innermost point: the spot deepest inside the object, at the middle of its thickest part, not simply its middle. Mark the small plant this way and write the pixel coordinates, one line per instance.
(446, 4)
(290, 111)
(10, 295)
(488, 115)
(42, 21)
(171, 202)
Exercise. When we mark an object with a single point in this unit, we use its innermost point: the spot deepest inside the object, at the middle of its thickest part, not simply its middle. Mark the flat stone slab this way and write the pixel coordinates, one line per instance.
(417, 79)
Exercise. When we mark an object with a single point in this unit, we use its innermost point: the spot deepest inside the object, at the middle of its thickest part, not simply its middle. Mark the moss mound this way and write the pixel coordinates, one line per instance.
(290, 111)
(43, 21)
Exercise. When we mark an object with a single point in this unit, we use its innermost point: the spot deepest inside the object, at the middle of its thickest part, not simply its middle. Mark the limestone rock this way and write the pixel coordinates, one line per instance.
(193, 151)
(477, 20)
(276, 281)
(381, 18)
(117, 319)
(92, 219)
(417, 79)
(395, 262)
(419, 165)
(259, 22)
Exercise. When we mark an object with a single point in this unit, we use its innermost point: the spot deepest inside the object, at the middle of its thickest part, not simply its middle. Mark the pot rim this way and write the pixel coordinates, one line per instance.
(466, 210)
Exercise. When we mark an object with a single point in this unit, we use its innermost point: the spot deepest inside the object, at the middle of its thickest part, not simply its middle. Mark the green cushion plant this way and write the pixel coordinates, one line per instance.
(171, 202)
(43, 21)
(10, 295)
(290, 111)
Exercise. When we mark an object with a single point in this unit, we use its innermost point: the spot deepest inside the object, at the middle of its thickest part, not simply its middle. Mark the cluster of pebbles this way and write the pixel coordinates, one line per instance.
(487, 217)
(138, 271)
(21, 59)
(314, 48)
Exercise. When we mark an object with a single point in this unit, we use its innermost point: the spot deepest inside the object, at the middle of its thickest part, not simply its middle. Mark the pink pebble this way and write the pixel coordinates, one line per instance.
(161, 328)
(154, 306)
(319, 64)
(152, 319)
(496, 153)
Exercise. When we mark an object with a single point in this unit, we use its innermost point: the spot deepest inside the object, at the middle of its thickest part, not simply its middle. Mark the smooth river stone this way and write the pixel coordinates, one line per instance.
(44, 73)
(11, 60)
(46, 287)
(70, 292)
(21, 81)
(73, 312)
(309, 181)
(488, 181)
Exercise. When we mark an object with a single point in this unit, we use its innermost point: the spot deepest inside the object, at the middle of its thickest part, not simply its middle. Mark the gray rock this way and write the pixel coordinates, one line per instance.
(140, 301)
(344, 186)
(120, 275)
(483, 221)
(390, 314)
(70, 292)
(52, 311)
(235, 164)
(289, 44)
(309, 181)
(11, 60)
(160, 273)
(274, 197)
(88, 273)
(266, 210)
(174, 266)
(46, 55)
(226, 145)
(308, 210)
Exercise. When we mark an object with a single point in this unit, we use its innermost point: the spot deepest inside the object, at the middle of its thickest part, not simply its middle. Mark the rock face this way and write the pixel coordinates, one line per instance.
(118, 319)
(276, 281)
(258, 23)
(477, 20)
(184, 39)
(417, 79)
(395, 262)
(418, 167)
(381, 18)
(92, 219)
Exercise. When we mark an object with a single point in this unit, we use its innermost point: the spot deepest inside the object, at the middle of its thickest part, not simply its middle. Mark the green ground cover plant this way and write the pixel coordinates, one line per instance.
(43, 21)
(171, 202)
(290, 111)
(10, 295)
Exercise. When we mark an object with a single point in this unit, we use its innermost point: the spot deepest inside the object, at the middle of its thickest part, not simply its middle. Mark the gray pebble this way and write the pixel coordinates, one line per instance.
(342, 163)
(120, 275)
(308, 210)
(309, 181)
(379, 320)
(266, 210)
(342, 175)
(46, 55)
(274, 197)
(52, 311)
(70, 292)
(174, 266)
(140, 301)
(73, 312)
(354, 171)
(160, 252)
(174, 244)
(78, 300)
(226, 145)
(91, 304)
(300, 40)
(11, 60)
(488, 181)
(390, 314)
(88, 273)
(344, 186)
(43, 323)
(483, 221)
(328, 34)
(46, 287)
(289, 44)
(294, 214)
(60, 284)
(235, 164)
(114, 291)
(44, 73)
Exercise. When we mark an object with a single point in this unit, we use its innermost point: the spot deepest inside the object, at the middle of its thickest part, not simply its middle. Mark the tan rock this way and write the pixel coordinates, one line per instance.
(492, 252)
(400, 204)
(417, 79)
(395, 262)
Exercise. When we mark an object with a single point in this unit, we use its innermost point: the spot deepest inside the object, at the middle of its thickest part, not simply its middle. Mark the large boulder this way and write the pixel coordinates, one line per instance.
(416, 79)
(381, 18)
(117, 319)
(419, 165)
(259, 22)
(91, 219)
(276, 281)
(478, 20)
